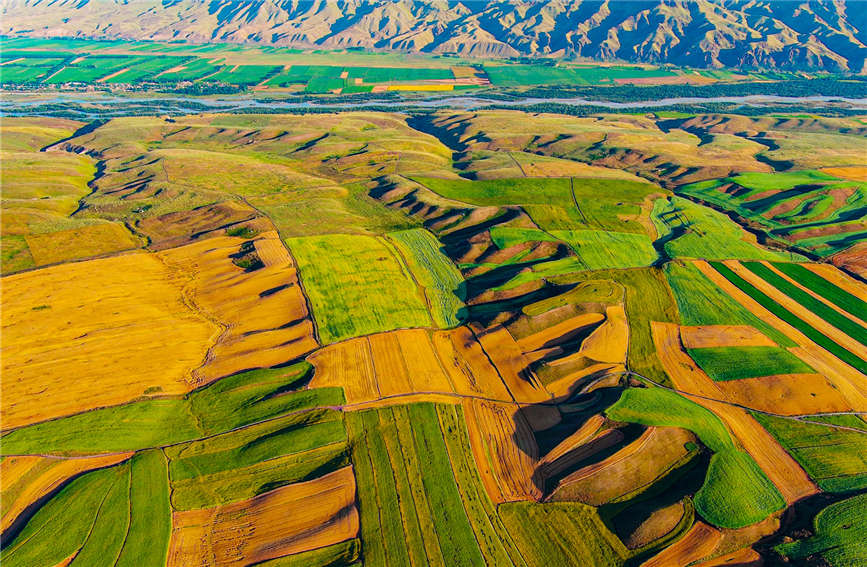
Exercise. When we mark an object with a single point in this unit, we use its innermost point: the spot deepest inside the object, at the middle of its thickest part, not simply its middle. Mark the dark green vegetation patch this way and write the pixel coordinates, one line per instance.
(734, 363)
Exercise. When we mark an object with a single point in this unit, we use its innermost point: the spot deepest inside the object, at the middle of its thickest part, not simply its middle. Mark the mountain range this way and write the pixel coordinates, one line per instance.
(792, 35)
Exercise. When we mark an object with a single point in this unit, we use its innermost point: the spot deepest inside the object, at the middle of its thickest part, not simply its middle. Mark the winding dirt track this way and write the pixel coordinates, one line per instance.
(789, 478)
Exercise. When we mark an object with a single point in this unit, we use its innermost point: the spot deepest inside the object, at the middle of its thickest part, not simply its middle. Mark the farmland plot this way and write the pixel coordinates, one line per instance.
(357, 286)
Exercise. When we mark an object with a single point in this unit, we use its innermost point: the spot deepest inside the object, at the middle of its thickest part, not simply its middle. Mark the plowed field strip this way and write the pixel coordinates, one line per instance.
(508, 358)
(789, 478)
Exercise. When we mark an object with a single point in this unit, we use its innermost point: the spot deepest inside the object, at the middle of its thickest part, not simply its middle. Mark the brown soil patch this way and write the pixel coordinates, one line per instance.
(262, 312)
(699, 542)
(93, 334)
(27, 479)
(295, 518)
(848, 381)
(826, 230)
(348, 365)
(853, 259)
(113, 75)
(610, 341)
(572, 454)
(637, 465)
(789, 478)
(852, 172)
(708, 336)
(504, 448)
(787, 394)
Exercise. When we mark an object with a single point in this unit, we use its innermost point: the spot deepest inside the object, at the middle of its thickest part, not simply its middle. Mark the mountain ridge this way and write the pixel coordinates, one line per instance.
(789, 35)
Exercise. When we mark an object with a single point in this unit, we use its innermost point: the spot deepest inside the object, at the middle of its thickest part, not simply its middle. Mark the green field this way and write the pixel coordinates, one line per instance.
(357, 286)
(835, 458)
(819, 285)
(601, 250)
(517, 75)
(701, 302)
(596, 249)
(816, 306)
(840, 535)
(792, 202)
(405, 479)
(90, 514)
(734, 363)
(562, 533)
(150, 524)
(690, 230)
(787, 316)
(442, 282)
(735, 493)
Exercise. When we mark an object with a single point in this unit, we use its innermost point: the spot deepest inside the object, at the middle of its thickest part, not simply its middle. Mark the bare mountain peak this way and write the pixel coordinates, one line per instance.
(800, 34)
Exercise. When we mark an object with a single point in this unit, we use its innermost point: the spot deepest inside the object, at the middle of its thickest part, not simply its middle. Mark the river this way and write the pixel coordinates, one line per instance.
(99, 104)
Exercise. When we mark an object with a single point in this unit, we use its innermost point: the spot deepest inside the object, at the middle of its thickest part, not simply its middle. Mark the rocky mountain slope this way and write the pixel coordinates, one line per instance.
(815, 34)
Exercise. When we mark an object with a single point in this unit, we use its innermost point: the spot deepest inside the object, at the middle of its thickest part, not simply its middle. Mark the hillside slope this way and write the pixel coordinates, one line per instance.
(817, 34)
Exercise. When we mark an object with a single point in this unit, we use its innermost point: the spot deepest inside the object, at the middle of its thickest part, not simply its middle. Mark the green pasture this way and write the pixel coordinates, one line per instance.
(836, 459)
(830, 315)
(840, 535)
(357, 286)
(735, 493)
(789, 203)
(89, 514)
(601, 250)
(734, 363)
(819, 285)
(150, 524)
(442, 282)
(405, 479)
(690, 230)
(562, 533)
(701, 302)
(527, 75)
(226, 404)
(820, 339)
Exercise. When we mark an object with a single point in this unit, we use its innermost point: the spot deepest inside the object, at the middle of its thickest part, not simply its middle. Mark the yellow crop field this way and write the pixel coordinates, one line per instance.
(262, 313)
(288, 520)
(407, 362)
(709, 336)
(84, 242)
(106, 323)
